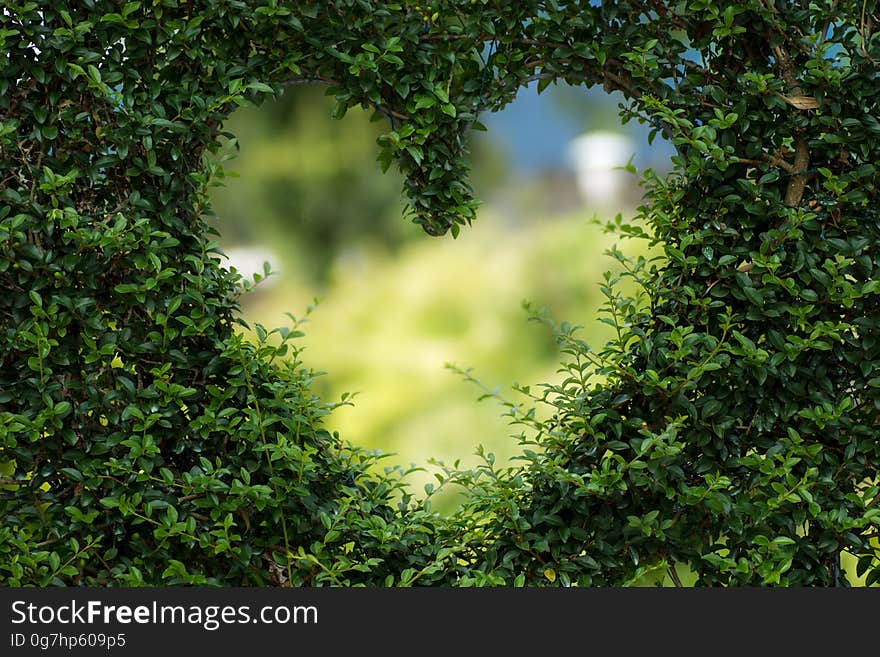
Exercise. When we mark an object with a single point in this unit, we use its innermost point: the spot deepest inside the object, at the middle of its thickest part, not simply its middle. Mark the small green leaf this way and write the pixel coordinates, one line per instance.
(73, 473)
(94, 73)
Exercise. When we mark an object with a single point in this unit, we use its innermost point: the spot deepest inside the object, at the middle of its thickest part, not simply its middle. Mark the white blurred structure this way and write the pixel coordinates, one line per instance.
(248, 260)
(597, 157)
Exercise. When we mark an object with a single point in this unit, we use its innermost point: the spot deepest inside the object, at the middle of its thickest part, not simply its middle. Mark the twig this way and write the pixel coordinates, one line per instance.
(774, 160)
(828, 23)
(673, 574)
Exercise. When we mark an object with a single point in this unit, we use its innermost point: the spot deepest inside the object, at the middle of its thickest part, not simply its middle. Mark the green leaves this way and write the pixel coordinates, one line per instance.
(727, 431)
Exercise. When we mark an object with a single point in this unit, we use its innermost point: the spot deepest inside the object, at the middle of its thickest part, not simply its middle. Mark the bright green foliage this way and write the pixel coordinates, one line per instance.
(729, 428)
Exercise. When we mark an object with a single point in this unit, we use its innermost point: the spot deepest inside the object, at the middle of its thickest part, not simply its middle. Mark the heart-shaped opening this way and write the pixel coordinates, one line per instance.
(402, 319)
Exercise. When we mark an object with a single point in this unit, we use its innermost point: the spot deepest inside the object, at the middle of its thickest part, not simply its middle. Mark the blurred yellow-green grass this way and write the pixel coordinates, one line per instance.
(386, 327)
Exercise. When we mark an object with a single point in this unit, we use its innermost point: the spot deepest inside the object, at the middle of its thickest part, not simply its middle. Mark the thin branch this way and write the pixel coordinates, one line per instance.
(315, 80)
(827, 24)
(51, 541)
(674, 575)
(774, 160)
(389, 113)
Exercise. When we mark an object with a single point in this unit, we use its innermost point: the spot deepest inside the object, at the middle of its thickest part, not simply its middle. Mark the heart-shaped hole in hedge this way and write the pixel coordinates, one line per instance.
(394, 307)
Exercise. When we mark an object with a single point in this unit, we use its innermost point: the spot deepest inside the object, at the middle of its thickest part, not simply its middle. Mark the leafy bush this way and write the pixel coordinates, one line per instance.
(730, 426)
(142, 440)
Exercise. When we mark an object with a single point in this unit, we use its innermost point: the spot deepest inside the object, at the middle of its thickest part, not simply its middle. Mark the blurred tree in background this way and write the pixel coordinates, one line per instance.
(306, 187)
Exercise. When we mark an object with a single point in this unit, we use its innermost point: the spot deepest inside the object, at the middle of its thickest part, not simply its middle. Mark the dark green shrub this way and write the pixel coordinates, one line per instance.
(142, 440)
(729, 428)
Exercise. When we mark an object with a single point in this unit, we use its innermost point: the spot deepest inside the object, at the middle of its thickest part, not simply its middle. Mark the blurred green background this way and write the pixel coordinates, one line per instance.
(304, 191)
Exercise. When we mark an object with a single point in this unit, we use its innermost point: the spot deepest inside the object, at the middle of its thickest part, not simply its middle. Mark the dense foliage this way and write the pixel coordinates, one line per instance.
(729, 428)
